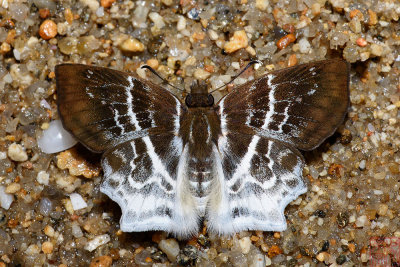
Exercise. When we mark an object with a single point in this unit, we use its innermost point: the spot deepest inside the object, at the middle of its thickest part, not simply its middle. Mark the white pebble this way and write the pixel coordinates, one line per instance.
(55, 138)
(77, 201)
(170, 247)
(268, 261)
(304, 45)
(257, 260)
(181, 25)
(235, 65)
(262, 4)
(213, 35)
(3, 155)
(100, 12)
(5, 199)
(32, 249)
(43, 178)
(361, 221)
(92, 4)
(97, 241)
(244, 244)
(362, 164)
(201, 74)
(157, 19)
(17, 153)
(76, 230)
(45, 104)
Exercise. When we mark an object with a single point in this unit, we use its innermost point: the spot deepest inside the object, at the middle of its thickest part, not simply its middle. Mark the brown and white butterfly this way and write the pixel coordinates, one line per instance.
(170, 164)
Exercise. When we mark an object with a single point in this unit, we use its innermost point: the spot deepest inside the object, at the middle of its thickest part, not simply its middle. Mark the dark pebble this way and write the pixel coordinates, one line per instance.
(320, 213)
(341, 259)
(325, 245)
(203, 240)
(187, 255)
(342, 219)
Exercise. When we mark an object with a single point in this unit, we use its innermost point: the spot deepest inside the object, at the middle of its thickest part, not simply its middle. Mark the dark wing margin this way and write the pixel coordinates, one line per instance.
(300, 105)
(102, 107)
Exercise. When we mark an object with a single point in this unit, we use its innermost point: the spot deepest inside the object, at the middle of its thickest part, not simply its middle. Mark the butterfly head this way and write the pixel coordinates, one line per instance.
(199, 96)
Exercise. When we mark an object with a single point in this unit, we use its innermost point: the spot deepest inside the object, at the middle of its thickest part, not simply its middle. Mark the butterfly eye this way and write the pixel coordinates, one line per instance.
(188, 100)
(210, 100)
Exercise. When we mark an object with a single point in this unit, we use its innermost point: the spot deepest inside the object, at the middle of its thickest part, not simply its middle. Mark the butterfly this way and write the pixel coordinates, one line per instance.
(171, 164)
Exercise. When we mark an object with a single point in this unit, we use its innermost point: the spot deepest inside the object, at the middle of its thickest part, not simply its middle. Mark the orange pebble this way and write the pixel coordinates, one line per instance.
(286, 40)
(361, 42)
(44, 13)
(48, 29)
(106, 3)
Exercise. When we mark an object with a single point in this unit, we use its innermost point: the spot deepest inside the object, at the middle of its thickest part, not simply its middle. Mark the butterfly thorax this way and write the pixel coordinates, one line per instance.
(199, 96)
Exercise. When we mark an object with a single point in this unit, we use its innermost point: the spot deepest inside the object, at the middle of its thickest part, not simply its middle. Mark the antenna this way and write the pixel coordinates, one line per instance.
(162, 79)
(240, 73)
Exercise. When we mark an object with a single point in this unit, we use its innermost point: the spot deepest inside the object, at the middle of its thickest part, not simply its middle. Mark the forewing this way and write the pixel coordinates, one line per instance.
(147, 178)
(257, 178)
(301, 105)
(102, 107)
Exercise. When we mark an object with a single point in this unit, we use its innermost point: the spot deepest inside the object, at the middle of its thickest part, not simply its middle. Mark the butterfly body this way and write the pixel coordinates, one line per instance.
(235, 163)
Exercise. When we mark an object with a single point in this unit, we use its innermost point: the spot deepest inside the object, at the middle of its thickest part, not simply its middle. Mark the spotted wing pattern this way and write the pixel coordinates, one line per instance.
(263, 123)
(136, 124)
(102, 107)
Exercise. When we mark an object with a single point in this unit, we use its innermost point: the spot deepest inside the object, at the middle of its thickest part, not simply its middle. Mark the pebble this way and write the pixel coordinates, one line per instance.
(245, 244)
(43, 177)
(47, 247)
(237, 41)
(285, 41)
(157, 19)
(167, 2)
(361, 221)
(170, 247)
(13, 188)
(361, 42)
(262, 4)
(97, 241)
(268, 261)
(45, 206)
(106, 3)
(77, 201)
(201, 74)
(17, 153)
(382, 209)
(181, 25)
(376, 50)
(76, 230)
(92, 4)
(55, 138)
(304, 45)
(153, 63)
(5, 199)
(257, 260)
(322, 256)
(48, 29)
(49, 230)
(362, 165)
(32, 250)
(132, 45)
(101, 261)
(76, 164)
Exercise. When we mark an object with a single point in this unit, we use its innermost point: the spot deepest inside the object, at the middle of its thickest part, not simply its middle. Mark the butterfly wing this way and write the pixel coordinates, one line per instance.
(272, 117)
(253, 185)
(136, 124)
(302, 105)
(102, 107)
